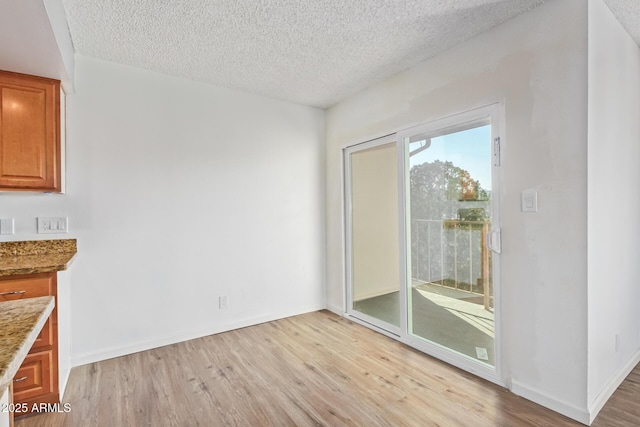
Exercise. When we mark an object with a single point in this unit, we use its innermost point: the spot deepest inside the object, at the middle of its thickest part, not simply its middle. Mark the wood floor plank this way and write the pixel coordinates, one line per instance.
(317, 369)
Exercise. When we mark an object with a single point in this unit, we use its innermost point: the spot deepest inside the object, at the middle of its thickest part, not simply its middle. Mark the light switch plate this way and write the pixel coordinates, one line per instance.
(223, 302)
(6, 226)
(529, 201)
(51, 225)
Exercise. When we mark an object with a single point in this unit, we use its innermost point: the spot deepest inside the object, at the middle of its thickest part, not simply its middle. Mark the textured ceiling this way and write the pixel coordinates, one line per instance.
(310, 52)
(628, 13)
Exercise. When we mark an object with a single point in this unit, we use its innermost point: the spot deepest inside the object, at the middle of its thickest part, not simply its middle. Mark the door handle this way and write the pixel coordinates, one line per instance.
(494, 241)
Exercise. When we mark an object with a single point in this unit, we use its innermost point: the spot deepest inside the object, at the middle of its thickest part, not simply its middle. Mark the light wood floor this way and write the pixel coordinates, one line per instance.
(317, 369)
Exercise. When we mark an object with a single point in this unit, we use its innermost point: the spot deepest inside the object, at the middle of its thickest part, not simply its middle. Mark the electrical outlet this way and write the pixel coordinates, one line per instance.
(223, 302)
(6, 226)
(50, 225)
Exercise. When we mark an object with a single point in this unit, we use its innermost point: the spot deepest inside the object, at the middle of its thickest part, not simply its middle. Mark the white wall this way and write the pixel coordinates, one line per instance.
(60, 28)
(35, 40)
(64, 328)
(178, 193)
(614, 204)
(4, 402)
(536, 64)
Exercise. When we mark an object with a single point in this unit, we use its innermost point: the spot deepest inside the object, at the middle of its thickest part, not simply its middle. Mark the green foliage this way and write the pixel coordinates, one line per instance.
(440, 189)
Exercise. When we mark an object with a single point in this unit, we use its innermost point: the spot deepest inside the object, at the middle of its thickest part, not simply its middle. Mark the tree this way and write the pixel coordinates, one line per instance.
(441, 191)
(438, 190)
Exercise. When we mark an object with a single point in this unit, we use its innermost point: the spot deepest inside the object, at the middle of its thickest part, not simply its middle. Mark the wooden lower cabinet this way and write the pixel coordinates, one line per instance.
(34, 378)
(37, 378)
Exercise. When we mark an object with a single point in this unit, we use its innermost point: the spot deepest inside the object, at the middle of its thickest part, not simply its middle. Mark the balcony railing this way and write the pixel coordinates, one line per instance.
(453, 254)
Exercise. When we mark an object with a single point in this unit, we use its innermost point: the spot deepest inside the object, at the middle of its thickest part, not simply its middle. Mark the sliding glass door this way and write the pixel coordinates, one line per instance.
(423, 238)
(449, 216)
(373, 226)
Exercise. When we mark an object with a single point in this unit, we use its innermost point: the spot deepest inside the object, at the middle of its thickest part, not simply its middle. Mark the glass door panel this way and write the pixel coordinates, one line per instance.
(449, 203)
(372, 228)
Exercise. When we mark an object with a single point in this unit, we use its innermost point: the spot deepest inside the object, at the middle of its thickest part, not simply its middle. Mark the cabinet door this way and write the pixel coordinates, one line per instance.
(31, 286)
(34, 377)
(29, 133)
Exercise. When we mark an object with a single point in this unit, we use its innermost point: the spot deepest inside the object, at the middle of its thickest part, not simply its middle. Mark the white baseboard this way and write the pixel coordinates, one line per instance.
(601, 399)
(110, 353)
(63, 379)
(555, 404)
(335, 309)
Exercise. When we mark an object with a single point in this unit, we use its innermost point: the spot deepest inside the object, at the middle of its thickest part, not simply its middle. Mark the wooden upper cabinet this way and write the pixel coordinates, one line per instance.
(30, 158)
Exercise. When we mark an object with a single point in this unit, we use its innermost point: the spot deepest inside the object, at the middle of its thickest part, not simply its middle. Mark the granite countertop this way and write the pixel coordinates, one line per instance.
(38, 256)
(20, 324)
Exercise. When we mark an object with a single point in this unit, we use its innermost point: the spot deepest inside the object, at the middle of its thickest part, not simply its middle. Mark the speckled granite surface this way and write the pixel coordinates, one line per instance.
(38, 256)
(38, 247)
(20, 324)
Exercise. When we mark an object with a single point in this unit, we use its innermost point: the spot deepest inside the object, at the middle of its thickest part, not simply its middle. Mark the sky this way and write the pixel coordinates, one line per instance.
(469, 149)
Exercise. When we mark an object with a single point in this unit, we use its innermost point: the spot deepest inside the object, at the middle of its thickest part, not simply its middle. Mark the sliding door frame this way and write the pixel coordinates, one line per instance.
(360, 317)
(496, 114)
